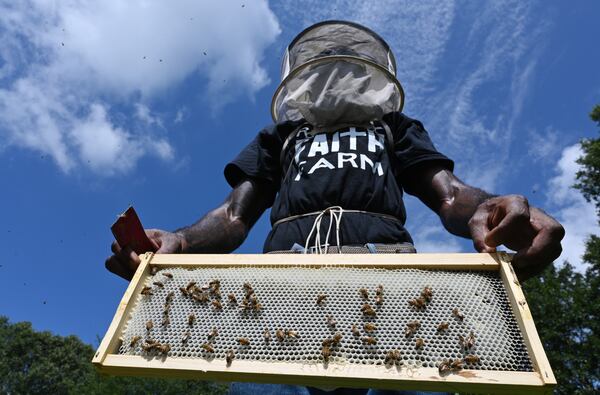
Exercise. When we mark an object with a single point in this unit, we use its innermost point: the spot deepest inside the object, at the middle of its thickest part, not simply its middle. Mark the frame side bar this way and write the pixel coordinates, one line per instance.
(525, 320)
(110, 340)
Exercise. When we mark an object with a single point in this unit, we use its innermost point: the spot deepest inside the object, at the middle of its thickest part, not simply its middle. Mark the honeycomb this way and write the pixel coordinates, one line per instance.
(288, 296)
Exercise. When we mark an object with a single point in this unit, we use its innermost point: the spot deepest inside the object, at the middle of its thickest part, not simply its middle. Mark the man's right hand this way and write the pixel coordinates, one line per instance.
(125, 261)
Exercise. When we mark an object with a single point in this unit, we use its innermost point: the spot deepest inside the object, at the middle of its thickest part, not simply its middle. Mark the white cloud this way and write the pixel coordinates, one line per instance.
(570, 208)
(66, 65)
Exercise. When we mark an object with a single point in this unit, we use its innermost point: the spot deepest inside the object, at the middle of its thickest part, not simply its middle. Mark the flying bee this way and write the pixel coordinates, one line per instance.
(134, 341)
(321, 298)
(217, 305)
(369, 340)
(149, 325)
(229, 357)
(146, 291)
(337, 337)
(457, 364)
(243, 341)
(213, 333)
(168, 275)
(427, 293)
(267, 335)
(326, 353)
(208, 348)
(419, 343)
(378, 300)
(355, 330)
(369, 327)
(364, 293)
(444, 366)
(471, 359)
(291, 333)
(169, 298)
(280, 335)
(331, 321)
(443, 326)
(184, 291)
(392, 357)
(159, 284)
(191, 319)
(456, 312)
(232, 298)
(186, 337)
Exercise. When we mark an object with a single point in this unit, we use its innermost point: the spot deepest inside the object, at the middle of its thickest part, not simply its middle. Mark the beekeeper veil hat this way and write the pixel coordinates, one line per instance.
(337, 72)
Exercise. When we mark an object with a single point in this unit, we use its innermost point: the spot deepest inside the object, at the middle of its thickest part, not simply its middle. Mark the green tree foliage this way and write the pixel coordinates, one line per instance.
(566, 304)
(41, 363)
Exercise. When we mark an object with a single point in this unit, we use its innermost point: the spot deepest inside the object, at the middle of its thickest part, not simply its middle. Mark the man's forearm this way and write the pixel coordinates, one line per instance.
(217, 232)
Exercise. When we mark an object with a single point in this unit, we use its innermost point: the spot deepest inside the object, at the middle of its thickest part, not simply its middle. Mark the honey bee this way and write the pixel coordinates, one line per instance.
(191, 286)
(253, 300)
(456, 312)
(457, 364)
(411, 328)
(280, 335)
(243, 341)
(321, 298)
(427, 293)
(368, 310)
(444, 366)
(247, 287)
(166, 321)
(327, 342)
(467, 343)
(418, 303)
(291, 333)
(355, 330)
(169, 298)
(392, 357)
(232, 298)
(213, 333)
(267, 335)
(443, 326)
(217, 305)
(419, 343)
(186, 336)
(471, 359)
(200, 297)
(208, 348)
(216, 294)
(149, 325)
(379, 300)
(163, 348)
(331, 321)
(184, 291)
(369, 340)
(369, 327)
(326, 353)
(215, 284)
(191, 319)
(159, 284)
(229, 357)
(146, 291)
(134, 341)
(168, 275)
(337, 337)
(379, 292)
(364, 293)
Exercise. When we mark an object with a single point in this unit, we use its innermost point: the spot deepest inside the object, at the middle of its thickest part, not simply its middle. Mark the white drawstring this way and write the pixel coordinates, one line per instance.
(335, 213)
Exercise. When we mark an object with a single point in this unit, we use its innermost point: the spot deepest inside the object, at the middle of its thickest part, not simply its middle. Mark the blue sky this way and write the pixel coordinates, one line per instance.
(106, 104)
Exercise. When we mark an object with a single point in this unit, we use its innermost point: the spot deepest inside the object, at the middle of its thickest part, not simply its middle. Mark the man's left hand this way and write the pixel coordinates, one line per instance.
(509, 220)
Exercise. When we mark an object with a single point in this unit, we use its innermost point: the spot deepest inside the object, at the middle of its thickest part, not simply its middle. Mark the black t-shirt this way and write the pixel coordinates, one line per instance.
(350, 168)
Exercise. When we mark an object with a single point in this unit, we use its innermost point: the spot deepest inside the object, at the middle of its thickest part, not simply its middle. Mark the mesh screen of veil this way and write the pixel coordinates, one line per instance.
(288, 296)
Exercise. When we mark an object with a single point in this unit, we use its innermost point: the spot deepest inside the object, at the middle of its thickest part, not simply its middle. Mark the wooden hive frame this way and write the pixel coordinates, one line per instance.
(541, 380)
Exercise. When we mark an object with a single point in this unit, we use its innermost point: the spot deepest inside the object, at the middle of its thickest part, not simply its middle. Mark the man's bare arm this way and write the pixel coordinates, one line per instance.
(221, 230)
(488, 220)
